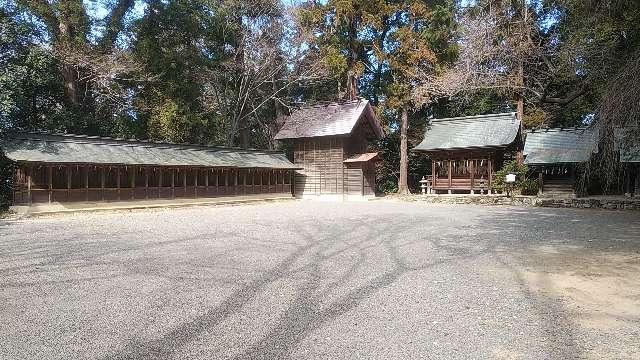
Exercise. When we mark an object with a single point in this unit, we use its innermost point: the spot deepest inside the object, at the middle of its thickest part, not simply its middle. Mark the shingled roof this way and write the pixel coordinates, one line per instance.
(552, 146)
(79, 149)
(470, 132)
(334, 119)
(626, 141)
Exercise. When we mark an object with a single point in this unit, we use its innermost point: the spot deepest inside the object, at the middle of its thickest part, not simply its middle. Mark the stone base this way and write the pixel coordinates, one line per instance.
(596, 202)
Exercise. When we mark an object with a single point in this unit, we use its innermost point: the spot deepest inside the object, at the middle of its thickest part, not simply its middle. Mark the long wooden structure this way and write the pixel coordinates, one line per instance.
(47, 169)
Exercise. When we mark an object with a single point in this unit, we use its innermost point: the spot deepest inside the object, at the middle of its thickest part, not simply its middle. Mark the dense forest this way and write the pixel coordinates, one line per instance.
(226, 72)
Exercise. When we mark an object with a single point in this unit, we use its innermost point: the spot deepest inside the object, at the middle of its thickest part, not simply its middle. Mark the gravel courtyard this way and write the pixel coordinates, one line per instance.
(316, 280)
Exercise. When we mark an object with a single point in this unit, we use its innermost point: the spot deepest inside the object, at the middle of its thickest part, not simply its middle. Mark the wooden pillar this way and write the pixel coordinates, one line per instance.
(68, 176)
(433, 175)
(173, 183)
(159, 181)
(118, 181)
(86, 182)
(450, 180)
(146, 182)
(244, 181)
(102, 181)
(184, 180)
(281, 183)
(490, 170)
(134, 171)
(472, 173)
(253, 180)
(235, 181)
(540, 183)
(269, 180)
(50, 181)
(215, 171)
(226, 181)
(206, 180)
(29, 170)
(195, 182)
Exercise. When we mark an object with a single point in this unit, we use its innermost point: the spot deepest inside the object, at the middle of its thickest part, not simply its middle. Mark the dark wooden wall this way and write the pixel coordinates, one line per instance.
(325, 173)
(41, 183)
(322, 168)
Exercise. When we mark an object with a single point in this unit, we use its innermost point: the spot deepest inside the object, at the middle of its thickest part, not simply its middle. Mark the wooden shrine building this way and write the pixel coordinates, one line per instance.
(66, 168)
(330, 144)
(466, 151)
(554, 154)
(627, 143)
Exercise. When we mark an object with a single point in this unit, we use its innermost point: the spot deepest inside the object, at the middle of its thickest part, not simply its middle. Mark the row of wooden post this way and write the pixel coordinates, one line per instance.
(449, 173)
(50, 189)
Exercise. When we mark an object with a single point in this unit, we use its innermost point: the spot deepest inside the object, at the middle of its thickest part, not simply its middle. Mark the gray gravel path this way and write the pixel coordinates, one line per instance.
(304, 280)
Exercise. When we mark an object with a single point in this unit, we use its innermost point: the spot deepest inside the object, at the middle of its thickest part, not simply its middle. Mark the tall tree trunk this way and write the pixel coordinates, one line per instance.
(403, 188)
(352, 81)
(520, 106)
(70, 77)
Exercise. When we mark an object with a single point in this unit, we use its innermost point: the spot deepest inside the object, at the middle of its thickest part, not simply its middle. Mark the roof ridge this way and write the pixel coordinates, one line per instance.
(141, 142)
(329, 103)
(471, 117)
(558, 130)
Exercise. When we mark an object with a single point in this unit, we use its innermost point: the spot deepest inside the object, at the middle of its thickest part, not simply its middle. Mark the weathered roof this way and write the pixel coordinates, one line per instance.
(627, 141)
(361, 157)
(334, 119)
(29, 147)
(482, 131)
(552, 146)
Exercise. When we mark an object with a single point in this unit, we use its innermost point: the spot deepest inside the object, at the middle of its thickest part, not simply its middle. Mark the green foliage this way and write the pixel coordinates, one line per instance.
(31, 93)
(529, 187)
(520, 170)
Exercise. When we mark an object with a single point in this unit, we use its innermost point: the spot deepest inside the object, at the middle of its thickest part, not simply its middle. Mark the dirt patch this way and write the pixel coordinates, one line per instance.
(600, 290)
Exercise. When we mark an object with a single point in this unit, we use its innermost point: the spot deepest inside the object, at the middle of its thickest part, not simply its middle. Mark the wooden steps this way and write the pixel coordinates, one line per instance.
(558, 188)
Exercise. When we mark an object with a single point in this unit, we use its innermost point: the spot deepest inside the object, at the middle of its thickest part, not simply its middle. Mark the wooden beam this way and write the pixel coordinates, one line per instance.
(86, 182)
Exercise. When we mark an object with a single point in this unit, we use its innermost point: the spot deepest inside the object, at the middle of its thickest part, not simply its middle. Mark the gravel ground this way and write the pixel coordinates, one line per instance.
(314, 280)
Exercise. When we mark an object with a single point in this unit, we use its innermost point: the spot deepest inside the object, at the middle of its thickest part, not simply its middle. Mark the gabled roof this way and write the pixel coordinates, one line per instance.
(79, 149)
(470, 132)
(334, 119)
(552, 146)
(627, 141)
